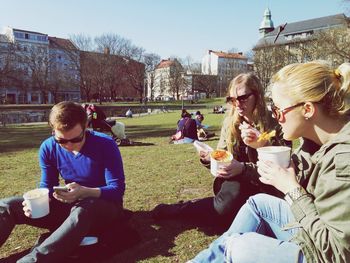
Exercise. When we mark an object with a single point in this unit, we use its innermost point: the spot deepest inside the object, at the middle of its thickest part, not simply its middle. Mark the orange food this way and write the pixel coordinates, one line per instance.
(266, 136)
(220, 155)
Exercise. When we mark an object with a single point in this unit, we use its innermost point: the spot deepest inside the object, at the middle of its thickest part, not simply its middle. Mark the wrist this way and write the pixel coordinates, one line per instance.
(294, 194)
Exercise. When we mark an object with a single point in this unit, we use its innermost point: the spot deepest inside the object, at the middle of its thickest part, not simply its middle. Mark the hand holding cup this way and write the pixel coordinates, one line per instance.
(36, 203)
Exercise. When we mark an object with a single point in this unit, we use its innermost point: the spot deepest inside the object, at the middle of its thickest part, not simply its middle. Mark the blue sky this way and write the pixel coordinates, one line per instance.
(167, 27)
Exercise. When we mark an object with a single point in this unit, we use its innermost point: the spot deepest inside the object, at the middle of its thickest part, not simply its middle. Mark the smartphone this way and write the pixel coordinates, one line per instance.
(60, 189)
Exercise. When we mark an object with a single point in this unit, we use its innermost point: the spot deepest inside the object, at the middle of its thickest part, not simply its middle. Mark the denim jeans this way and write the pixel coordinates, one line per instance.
(68, 224)
(256, 235)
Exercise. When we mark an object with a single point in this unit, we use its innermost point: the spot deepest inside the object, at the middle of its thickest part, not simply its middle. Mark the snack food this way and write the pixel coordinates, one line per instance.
(221, 155)
(266, 136)
(219, 159)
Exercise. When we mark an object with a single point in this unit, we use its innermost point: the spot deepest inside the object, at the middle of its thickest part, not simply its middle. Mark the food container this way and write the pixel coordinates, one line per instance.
(277, 154)
(38, 202)
(219, 159)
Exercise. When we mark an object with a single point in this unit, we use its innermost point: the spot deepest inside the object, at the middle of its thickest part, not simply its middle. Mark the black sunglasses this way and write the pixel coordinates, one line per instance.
(74, 140)
(241, 99)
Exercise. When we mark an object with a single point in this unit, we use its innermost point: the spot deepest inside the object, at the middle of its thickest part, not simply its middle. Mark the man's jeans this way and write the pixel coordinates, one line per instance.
(68, 223)
(260, 220)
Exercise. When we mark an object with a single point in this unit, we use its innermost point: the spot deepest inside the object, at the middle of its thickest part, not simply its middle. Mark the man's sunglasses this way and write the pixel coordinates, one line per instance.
(278, 113)
(74, 140)
(241, 99)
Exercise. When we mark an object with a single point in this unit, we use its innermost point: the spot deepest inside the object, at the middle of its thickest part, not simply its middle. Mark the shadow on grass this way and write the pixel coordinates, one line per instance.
(157, 237)
(22, 137)
(134, 143)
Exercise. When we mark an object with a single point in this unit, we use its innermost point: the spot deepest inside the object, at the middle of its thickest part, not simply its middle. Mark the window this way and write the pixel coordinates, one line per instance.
(19, 35)
(26, 36)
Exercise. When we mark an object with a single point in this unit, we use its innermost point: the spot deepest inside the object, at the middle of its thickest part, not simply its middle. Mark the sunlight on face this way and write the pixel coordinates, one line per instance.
(68, 135)
(291, 122)
(244, 108)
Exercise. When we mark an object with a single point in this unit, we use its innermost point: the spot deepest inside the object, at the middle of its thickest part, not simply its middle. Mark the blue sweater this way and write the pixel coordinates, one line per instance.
(98, 164)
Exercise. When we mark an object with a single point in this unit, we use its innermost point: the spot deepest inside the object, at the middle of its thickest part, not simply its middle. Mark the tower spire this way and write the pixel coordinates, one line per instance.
(266, 25)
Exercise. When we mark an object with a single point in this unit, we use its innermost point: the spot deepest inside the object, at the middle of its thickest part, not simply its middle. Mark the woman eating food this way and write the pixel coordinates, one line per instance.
(311, 224)
(247, 119)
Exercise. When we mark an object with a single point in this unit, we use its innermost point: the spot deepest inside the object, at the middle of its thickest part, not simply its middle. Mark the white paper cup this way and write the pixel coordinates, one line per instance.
(38, 202)
(277, 154)
(215, 165)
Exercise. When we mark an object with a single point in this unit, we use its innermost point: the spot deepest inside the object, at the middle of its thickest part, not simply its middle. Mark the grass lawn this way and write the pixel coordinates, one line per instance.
(155, 171)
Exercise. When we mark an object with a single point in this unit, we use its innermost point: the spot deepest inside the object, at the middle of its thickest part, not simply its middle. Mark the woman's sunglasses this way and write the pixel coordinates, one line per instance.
(74, 140)
(278, 113)
(240, 99)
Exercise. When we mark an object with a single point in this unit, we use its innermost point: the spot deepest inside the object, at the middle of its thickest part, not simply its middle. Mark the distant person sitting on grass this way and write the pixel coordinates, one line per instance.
(91, 165)
(128, 113)
(187, 127)
(201, 129)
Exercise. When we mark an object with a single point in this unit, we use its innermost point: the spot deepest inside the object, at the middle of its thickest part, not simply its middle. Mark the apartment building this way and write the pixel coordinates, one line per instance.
(40, 69)
(225, 66)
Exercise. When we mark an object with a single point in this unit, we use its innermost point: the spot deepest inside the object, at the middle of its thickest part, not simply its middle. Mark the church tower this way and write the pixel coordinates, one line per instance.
(266, 25)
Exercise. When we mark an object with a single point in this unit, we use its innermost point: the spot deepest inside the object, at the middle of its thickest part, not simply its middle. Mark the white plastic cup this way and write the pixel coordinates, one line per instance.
(215, 165)
(277, 154)
(38, 202)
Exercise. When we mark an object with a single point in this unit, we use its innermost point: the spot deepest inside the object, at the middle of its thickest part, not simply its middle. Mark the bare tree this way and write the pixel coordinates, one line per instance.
(176, 80)
(150, 60)
(10, 73)
(82, 41)
(190, 66)
(268, 59)
(205, 84)
(36, 60)
(233, 50)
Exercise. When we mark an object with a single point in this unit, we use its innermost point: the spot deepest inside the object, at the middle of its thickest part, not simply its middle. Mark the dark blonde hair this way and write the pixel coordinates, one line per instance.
(316, 81)
(65, 115)
(260, 112)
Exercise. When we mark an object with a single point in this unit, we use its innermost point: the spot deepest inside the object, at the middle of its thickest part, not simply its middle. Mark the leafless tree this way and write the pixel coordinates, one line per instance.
(176, 80)
(331, 45)
(205, 83)
(10, 73)
(36, 60)
(268, 59)
(150, 60)
(82, 41)
(233, 50)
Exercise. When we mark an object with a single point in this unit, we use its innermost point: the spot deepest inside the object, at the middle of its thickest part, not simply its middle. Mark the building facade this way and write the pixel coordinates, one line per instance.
(225, 66)
(169, 81)
(40, 69)
(323, 38)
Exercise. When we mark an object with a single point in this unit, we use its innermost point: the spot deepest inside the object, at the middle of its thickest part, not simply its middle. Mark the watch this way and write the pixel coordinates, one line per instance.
(294, 194)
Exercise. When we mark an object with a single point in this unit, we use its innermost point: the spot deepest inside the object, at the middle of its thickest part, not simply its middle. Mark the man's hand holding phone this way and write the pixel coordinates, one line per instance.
(61, 193)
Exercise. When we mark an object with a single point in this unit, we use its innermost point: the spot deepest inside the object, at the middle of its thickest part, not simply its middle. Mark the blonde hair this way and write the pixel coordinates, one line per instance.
(316, 81)
(65, 115)
(260, 112)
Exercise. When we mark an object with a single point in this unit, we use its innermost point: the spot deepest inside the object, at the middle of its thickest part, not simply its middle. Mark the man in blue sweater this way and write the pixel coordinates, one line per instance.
(91, 166)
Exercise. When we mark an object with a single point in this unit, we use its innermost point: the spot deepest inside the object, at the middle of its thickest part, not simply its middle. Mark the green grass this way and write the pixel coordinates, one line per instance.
(156, 172)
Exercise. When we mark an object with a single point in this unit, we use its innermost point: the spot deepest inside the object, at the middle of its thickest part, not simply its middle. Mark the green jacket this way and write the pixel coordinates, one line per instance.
(323, 215)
